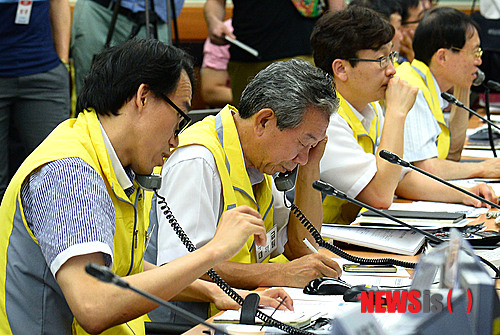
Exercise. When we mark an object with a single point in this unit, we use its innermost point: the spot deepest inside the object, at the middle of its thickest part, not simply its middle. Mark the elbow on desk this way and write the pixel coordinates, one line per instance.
(381, 203)
(377, 200)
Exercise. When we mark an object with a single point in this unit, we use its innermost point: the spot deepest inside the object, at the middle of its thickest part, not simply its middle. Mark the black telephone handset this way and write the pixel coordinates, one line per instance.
(286, 181)
(148, 182)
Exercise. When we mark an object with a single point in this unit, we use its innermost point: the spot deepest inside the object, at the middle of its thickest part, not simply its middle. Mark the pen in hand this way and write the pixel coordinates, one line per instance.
(309, 245)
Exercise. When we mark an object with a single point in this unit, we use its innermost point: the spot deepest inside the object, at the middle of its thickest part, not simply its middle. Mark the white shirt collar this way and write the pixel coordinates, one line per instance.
(120, 173)
(367, 112)
(365, 116)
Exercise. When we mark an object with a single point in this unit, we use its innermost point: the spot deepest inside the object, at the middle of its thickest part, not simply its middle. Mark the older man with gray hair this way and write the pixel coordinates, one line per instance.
(281, 124)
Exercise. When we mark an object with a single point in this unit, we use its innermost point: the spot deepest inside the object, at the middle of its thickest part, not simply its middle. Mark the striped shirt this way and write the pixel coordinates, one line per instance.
(69, 210)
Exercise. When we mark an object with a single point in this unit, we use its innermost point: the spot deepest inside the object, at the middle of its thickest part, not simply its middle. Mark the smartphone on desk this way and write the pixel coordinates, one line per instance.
(366, 268)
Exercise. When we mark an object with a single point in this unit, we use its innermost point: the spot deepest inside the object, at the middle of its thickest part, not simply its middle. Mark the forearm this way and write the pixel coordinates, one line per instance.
(416, 186)
(448, 169)
(380, 190)
(458, 122)
(308, 200)
(60, 19)
(250, 276)
(200, 291)
(90, 300)
(214, 11)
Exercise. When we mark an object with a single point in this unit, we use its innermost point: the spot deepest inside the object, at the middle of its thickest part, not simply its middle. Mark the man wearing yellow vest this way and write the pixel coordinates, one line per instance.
(75, 200)
(447, 55)
(279, 125)
(354, 45)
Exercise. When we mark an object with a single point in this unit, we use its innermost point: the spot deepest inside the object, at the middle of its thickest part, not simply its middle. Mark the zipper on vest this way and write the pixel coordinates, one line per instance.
(136, 232)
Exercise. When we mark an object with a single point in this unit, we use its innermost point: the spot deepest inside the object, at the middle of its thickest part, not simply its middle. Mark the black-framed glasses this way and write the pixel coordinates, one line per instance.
(411, 22)
(186, 120)
(476, 53)
(383, 61)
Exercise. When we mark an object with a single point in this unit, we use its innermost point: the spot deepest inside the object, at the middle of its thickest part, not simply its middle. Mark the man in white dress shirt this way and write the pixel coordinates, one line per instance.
(447, 55)
(354, 45)
(280, 124)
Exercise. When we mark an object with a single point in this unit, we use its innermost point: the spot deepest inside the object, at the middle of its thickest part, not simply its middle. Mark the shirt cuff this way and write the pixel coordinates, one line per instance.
(79, 250)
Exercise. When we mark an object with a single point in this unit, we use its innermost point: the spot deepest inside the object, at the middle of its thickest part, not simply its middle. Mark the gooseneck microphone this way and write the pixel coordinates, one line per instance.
(493, 85)
(451, 99)
(330, 190)
(106, 275)
(394, 159)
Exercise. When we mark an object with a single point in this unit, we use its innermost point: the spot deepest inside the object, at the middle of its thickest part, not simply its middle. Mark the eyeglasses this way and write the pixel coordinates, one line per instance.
(477, 52)
(186, 120)
(410, 22)
(383, 61)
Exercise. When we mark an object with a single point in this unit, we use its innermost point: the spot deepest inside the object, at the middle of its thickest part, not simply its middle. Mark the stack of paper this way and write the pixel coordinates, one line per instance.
(421, 219)
(398, 241)
(293, 318)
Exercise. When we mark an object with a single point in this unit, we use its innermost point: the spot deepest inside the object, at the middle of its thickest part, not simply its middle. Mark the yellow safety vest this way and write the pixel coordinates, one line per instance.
(219, 135)
(336, 210)
(81, 138)
(419, 75)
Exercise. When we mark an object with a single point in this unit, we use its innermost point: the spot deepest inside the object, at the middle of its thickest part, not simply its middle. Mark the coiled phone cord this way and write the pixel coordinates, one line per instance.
(269, 321)
(336, 250)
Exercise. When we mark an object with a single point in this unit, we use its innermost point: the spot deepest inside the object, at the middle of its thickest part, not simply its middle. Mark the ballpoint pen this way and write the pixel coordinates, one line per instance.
(309, 245)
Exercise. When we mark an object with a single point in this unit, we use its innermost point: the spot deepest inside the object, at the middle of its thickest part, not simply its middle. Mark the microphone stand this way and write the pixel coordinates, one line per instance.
(106, 275)
(490, 85)
(488, 116)
(330, 190)
(451, 99)
(394, 159)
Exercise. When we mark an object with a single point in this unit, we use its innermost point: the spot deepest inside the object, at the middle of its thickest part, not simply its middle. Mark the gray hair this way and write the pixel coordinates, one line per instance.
(289, 88)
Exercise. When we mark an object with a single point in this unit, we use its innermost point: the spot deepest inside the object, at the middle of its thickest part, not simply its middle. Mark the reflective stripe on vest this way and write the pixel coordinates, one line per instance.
(341, 211)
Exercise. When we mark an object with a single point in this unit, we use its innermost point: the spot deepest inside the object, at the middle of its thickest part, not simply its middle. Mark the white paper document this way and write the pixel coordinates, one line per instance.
(404, 242)
(431, 206)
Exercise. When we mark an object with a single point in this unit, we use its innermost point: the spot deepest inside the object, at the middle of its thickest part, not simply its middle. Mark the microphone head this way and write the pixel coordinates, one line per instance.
(100, 272)
(393, 158)
(479, 78)
(493, 85)
(389, 156)
(449, 97)
(328, 189)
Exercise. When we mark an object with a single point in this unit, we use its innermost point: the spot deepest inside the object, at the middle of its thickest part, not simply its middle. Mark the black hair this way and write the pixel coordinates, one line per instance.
(441, 27)
(384, 7)
(405, 6)
(341, 34)
(117, 72)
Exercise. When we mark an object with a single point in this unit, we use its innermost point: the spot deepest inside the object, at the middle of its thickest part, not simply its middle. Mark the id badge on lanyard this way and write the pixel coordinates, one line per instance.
(23, 12)
(263, 252)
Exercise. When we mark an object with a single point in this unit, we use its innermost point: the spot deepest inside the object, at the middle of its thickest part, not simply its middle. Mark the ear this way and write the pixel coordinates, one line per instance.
(339, 68)
(143, 92)
(440, 56)
(264, 119)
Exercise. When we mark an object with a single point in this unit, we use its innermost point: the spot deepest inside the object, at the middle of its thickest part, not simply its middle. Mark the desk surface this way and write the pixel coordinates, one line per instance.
(490, 224)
